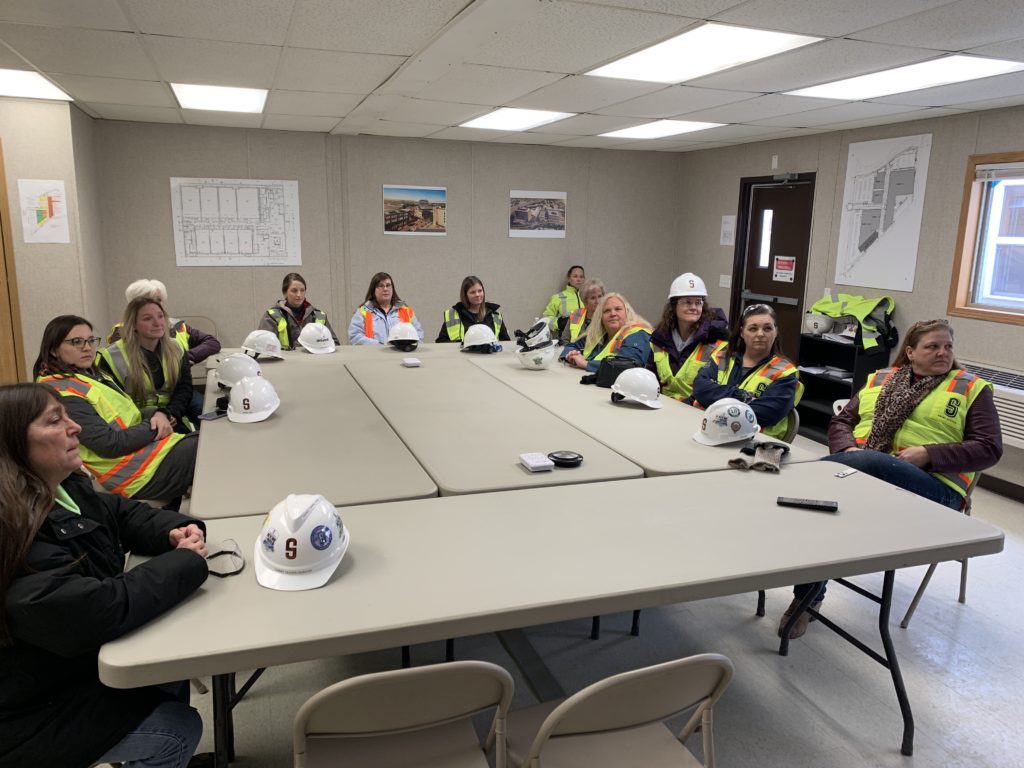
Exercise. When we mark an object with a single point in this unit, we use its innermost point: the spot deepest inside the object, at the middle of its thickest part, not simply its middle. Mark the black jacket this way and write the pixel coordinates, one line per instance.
(71, 596)
(468, 320)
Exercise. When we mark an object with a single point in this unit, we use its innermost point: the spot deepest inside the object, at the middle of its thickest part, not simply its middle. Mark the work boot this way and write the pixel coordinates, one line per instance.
(801, 624)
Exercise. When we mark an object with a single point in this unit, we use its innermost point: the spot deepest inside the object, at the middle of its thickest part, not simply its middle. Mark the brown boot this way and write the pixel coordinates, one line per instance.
(801, 624)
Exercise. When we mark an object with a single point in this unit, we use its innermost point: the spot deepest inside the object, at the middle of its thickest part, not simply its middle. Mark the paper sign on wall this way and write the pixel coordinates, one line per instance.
(727, 236)
(785, 269)
(44, 211)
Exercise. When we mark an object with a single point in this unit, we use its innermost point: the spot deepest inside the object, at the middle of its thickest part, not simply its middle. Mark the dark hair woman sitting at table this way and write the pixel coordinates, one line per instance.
(65, 593)
(381, 310)
(292, 313)
(472, 309)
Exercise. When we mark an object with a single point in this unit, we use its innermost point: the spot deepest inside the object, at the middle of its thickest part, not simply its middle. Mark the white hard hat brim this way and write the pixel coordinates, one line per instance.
(273, 355)
(250, 418)
(317, 350)
(295, 582)
(703, 439)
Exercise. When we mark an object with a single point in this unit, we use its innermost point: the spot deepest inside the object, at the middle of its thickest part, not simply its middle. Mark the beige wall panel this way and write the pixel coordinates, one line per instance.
(89, 194)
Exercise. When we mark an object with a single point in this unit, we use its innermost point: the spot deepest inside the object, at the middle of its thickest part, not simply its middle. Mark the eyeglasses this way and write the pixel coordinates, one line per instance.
(78, 342)
(691, 302)
(227, 561)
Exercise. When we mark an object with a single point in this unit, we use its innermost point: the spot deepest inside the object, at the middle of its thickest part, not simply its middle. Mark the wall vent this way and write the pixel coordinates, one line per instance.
(1008, 396)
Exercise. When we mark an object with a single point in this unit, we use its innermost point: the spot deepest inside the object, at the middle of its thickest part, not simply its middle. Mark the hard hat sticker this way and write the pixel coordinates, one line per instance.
(733, 411)
(321, 538)
(269, 540)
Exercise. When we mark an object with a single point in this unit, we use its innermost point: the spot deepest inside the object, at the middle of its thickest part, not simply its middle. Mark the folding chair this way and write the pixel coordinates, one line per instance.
(405, 717)
(618, 721)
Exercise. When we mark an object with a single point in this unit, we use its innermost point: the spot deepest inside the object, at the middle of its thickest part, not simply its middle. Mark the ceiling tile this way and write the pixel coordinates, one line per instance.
(468, 134)
(675, 100)
(387, 128)
(303, 69)
(587, 125)
(530, 137)
(1012, 49)
(902, 117)
(1006, 101)
(11, 60)
(571, 38)
(110, 90)
(400, 27)
(138, 114)
(403, 109)
(696, 9)
(841, 113)
(653, 145)
(238, 21)
(813, 64)
(953, 27)
(760, 108)
(299, 123)
(828, 18)
(730, 133)
(210, 62)
(594, 142)
(998, 87)
(90, 14)
(578, 93)
(223, 119)
(495, 86)
(311, 103)
(80, 51)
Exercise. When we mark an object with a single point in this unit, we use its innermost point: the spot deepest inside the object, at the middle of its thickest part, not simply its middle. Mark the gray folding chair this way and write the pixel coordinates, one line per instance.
(792, 426)
(405, 717)
(619, 721)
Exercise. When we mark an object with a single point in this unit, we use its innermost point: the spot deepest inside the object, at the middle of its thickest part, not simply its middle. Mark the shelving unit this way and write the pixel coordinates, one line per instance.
(821, 390)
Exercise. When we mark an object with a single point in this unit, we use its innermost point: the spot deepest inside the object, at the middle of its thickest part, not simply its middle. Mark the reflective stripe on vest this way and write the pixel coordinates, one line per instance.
(453, 324)
(180, 333)
(576, 320)
(941, 417)
(118, 362)
(758, 380)
(679, 385)
(615, 344)
(123, 475)
(405, 315)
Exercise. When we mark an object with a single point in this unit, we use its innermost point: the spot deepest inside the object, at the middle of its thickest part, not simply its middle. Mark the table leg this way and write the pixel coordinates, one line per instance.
(222, 725)
(907, 747)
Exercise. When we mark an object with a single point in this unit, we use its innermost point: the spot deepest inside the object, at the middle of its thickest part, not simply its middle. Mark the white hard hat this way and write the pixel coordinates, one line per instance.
(538, 335)
(316, 339)
(727, 421)
(262, 343)
(638, 385)
(252, 399)
(687, 284)
(300, 544)
(817, 324)
(479, 338)
(235, 367)
(538, 358)
(403, 337)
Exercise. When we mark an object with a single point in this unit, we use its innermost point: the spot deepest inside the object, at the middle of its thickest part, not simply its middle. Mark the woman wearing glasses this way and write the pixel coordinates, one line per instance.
(65, 593)
(753, 370)
(129, 455)
(615, 331)
(690, 333)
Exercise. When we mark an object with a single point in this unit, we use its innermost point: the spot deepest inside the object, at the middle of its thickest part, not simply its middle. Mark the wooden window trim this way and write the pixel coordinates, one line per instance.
(966, 239)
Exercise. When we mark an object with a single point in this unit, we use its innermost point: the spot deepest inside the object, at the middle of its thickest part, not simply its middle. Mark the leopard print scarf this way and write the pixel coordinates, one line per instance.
(900, 395)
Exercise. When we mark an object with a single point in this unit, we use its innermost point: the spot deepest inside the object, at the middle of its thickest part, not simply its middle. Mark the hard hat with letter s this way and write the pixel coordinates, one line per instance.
(817, 324)
(252, 399)
(687, 284)
(235, 367)
(637, 385)
(480, 338)
(403, 337)
(263, 343)
(727, 421)
(315, 338)
(301, 543)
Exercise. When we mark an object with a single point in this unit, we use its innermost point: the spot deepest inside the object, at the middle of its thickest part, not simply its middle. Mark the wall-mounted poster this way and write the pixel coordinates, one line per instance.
(882, 206)
(536, 214)
(410, 210)
(44, 212)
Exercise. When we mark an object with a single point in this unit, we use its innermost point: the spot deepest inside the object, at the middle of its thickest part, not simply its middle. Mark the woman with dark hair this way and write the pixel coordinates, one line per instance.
(150, 365)
(924, 425)
(691, 333)
(291, 313)
(380, 310)
(471, 309)
(128, 455)
(66, 593)
(561, 304)
(754, 371)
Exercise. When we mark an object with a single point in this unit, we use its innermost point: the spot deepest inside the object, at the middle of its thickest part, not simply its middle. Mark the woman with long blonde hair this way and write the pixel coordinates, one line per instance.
(616, 330)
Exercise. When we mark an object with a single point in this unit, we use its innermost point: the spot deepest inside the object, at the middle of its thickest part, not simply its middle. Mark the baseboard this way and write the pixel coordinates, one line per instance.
(1002, 487)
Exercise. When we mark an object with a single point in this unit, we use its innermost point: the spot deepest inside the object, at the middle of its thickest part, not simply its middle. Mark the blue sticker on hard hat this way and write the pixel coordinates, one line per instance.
(750, 416)
(321, 537)
(269, 540)
(733, 410)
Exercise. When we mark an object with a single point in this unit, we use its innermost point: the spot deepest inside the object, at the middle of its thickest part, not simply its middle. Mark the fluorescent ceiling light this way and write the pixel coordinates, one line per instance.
(660, 128)
(701, 51)
(219, 98)
(927, 74)
(29, 85)
(509, 119)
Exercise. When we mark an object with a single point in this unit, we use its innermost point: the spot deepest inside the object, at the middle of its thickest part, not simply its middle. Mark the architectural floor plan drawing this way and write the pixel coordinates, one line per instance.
(882, 206)
(235, 222)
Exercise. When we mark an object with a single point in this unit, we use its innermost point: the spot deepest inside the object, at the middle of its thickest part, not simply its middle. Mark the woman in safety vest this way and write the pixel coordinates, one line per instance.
(579, 319)
(691, 333)
(753, 370)
(381, 309)
(565, 301)
(924, 424)
(287, 318)
(472, 309)
(127, 454)
(621, 332)
(65, 593)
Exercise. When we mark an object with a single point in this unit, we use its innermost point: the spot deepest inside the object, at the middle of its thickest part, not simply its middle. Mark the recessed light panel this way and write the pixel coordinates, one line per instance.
(701, 51)
(218, 98)
(509, 119)
(660, 128)
(914, 77)
(29, 85)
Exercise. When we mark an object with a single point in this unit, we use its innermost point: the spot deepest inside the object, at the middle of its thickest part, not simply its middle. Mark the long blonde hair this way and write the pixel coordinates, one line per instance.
(595, 331)
(169, 351)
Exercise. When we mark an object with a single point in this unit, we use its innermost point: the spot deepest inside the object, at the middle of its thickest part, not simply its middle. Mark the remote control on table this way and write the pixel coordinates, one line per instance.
(815, 504)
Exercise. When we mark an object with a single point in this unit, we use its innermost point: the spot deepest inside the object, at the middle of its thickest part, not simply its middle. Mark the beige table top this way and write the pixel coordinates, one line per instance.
(467, 429)
(420, 571)
(659, 440)
(326, 437)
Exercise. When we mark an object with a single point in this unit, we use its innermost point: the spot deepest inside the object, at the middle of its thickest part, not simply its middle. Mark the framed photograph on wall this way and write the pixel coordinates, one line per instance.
(411, 210)
(536, 214)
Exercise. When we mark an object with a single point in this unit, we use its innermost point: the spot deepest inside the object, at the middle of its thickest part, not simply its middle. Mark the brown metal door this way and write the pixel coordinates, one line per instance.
(772, 267)
(10, 319)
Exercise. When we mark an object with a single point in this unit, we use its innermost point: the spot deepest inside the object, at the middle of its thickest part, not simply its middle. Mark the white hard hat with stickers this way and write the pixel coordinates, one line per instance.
(315, 338)
(262, 343)
(252, 399)
(538, 358)
(235, 367)
(301, 543)
(817, 324)
(727, 421)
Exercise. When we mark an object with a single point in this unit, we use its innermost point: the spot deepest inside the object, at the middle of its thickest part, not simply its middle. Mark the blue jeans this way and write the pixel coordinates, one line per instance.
(166, 738)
